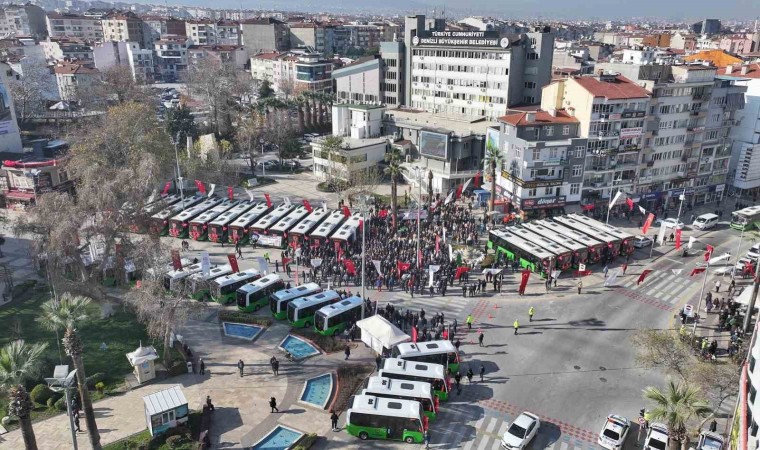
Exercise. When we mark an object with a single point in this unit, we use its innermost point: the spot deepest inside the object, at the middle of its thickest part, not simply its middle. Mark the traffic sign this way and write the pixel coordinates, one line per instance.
(581, 267)
(642, 421)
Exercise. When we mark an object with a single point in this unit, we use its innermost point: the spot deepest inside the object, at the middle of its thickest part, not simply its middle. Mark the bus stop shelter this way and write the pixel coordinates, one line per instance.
(380, 334)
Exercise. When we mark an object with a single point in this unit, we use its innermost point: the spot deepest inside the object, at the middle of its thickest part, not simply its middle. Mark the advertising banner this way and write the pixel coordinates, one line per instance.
(269, 241)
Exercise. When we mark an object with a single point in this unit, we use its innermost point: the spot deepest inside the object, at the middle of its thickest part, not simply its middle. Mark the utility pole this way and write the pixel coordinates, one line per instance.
(753, 297)
(364, 250)
(179, 173)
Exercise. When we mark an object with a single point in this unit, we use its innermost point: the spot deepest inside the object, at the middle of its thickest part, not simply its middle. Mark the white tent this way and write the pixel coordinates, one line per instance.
(744, 297)
(378, 333)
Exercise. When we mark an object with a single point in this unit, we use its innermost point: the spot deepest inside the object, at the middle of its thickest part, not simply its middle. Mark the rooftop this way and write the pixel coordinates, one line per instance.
(461, 126)
(753, 71)
(615, 87)
(267, 55)
(718, 58)
(262, 21)
(74, 69)
(540, 118)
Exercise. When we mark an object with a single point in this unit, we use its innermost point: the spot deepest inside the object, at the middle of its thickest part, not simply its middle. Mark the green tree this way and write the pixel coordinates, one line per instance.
(180, 123)
(395, 171)
(265, 89)
(675, 406)
(67, 314)
(331, 147)
(493, 161)
(18, 363)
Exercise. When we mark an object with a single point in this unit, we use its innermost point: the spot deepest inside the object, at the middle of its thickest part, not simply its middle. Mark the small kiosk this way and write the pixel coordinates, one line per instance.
(142, 361)
(165, 409)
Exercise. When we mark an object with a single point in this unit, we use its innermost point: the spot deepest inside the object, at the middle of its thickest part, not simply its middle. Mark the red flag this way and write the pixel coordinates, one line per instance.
(346, 212)
(166, 188)
(460, 271)
(709, 252)
(643, 275)
(307, 205)
(402, 266)
(383, 213)
(524, 280)
(647, 224)
(269, 201)
(176, 260)
(285, 261)
(419, 257)
(459, 192)
(697, 270)
(233, 263)
(678, 239)
(414, 334)
(350, 267)
(200, 186)
(361, 223)
(437, 243)
(476, 181)
(629, 202)
(230, 192)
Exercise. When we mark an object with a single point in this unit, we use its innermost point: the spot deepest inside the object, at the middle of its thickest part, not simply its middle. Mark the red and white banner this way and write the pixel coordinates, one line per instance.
(678, 239)
(269, 201)
(524, 277)
(643, 276)
(647, 224)
(402, 267)
(200, 186)
(233, 263)
(709, 251)
(167, 186)
(230, 192)
(307, 205)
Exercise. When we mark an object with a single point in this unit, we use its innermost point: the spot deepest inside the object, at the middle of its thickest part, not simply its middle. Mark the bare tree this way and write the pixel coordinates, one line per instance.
(216, 84)
(118, 85)
(29, 90)
(664, 349)
(249, 132)
(719, 380)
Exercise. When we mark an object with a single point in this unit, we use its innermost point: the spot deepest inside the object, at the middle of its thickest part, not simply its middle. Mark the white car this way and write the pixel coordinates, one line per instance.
(642, 241)
(753, 251)
(669, 223)
(520, 433)
(710, 441)
(657, 437)
(614, 432)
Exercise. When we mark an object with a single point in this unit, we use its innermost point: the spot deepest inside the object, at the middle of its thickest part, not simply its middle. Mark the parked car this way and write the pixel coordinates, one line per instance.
(669, 223)
(642, 241)
(710, 441)
(657, 437)
(521, 432)
(291, 163)
(614, 432)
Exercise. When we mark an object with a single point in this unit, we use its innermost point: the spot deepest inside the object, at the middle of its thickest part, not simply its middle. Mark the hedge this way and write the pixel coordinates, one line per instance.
(60, 404)
(226, 315)
(306, 441)
(40, 394)
(94, 379)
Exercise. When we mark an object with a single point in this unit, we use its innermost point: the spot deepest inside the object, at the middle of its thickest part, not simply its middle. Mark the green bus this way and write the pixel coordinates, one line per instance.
(223, 289)
(252, 296)
(419, 391)
(301, 310)
(746, 218)
(200, 283)
(440, 352)
(384, 418)
(279, 301)
(435, 374)
(333, 319)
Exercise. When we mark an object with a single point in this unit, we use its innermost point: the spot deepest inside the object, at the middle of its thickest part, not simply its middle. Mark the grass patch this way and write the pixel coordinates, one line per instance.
(228, 315)
(329, 344)
(350, 379)
(180, 438)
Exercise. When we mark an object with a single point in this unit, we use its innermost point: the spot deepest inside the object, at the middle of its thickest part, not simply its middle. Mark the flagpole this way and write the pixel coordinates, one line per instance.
(701, 295)
(738, 248)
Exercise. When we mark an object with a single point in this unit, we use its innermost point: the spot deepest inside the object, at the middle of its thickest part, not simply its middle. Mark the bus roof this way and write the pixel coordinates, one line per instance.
(272, 217)
(287, 222)
(385, 406)
(537, 239)
(233, 213)
(523, 245)
(311, 221)
(214, 272)
(260, 283)
(749, 211)
(583, 228)
(336, 308)
(251, 215)
(419, 389)
(297, 291)
(349, 227)
(177, 207)
(562, 230)
(184, 272)
(601, 226)
(233, 277)
(548, 233)
(397, 365)
(329, 224)
(197, 209)
(207, 216)
(315, 299)
(425, 348)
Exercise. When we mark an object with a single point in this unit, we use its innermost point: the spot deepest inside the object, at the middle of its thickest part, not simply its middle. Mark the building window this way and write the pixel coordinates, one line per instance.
(536, 154)
(528, 99)
(580, 152)
(532, 192)
(565, 130)
(549, 131)
(530, 85)
(577, 170)
(575, 188)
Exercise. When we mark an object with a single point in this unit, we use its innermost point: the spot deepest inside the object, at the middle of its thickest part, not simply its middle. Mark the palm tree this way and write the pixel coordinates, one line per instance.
(19, 362)
(395, 170)
(493, 160)
(66, 314)
(675, 406)
(315, 112)
(306, 109)
(298, 102)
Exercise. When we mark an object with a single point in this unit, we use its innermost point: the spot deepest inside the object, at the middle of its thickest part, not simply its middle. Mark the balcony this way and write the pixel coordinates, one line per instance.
(650, 163)
(729, 122)
(629, 148)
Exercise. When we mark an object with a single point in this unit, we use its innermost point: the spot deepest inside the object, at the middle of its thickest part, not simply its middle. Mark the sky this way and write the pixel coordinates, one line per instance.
(525, 9)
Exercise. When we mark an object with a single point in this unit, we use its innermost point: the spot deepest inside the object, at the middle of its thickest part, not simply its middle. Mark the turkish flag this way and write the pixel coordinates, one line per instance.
(524, 280)
(678, 239)
(460, 271)
(709, 251)
(476, 181)
(629, 202)
(437, 243)
(647, 224)
(402, 266)
(166, 187)
(350, 267)
(233, 263)
(414, 334)
(383, 213)
(697, 270)
(230, 192)
(459, 191)
(643, 275)
(346, 211)
(200, 186)
(269, 201)
(307, 205)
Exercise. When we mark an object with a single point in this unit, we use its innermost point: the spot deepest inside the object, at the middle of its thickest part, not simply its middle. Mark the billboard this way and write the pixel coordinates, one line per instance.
(492, 138)
(461, 38)
(434, 145)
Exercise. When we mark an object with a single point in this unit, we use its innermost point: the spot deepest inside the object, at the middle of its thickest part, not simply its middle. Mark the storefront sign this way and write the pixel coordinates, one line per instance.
(631, 132)
(614, 116)
(651, 195)
(543, 202)
(530, 184)
(720, 188)
(460, 39)
(633, 114)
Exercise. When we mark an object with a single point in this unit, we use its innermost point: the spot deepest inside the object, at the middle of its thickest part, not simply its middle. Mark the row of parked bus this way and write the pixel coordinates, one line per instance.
(217, 220)
(561, 243)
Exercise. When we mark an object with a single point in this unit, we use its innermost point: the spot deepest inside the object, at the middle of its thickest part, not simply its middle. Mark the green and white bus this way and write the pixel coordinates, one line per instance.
(419, 391)
(384, 418)
(218, 229)
(252, 296)
(279, 301)
(179, 225)
(200, 284)
(746, 218)
(333, 319)
(435, 374)
(158, 223)
(239, 228)
(223, 289)
(301, 310)
(439, 352)
(174, 280)
(199, 226)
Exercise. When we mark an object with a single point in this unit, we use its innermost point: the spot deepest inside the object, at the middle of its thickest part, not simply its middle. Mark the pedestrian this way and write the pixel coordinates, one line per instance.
(76, 424)
(606, 269)
(378, 360)
(482, 371)
(580, 285)
(625, 267)
(469, 322)
(276, 367)
(717, 286)
(455, 324)
(469, 375)
(516, 325)
(427, 439)
(241, 365)
(531, 311)
(458, 379)
(334, 420)
(240, 252)
(480, 340)
(347, 351)
(273, 404)
(202, 366)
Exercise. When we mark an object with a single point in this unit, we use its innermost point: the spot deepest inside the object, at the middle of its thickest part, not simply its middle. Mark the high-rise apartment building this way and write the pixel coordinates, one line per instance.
(744, 170)
(267, 34)
(72, 25)
(127, 27)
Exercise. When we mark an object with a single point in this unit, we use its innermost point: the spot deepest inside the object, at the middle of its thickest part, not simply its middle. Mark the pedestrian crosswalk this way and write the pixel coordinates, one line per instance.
(666, 287)
(450, 305)
(454, 428)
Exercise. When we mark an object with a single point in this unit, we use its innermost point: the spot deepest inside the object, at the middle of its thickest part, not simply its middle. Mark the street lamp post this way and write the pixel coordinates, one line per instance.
(419, 176)
(179, 173)
(701, 296)
(63, 380)
(263, 166)
(363, 208)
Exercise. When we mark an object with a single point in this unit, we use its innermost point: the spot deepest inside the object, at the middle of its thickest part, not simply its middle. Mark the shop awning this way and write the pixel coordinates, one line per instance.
(16, 195)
